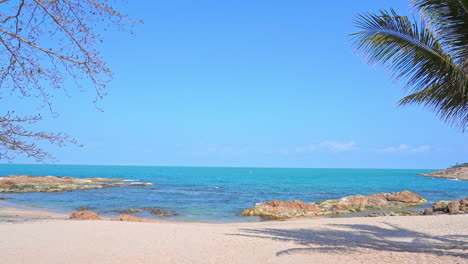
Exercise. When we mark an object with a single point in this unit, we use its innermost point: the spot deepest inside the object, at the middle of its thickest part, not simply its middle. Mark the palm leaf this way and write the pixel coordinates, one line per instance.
(449, 19)
(416, 56)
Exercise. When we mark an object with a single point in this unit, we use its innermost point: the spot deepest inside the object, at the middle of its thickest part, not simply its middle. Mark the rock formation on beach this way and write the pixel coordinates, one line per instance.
(448, 207)
(131, 218)
(283, 210)
(85, 215)
(28, 183)
(454, 173)
(380, 201)
(90, 215)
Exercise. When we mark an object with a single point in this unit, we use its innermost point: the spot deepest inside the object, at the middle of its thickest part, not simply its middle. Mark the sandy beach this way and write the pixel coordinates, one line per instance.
(41, 237)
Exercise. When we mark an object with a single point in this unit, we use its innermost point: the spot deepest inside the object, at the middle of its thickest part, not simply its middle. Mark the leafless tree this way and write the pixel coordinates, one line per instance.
(47, 46)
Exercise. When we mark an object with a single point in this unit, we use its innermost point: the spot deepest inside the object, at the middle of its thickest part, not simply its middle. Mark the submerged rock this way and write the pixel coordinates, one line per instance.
(163, 212)
(152, 210)
(455, 173)
(126, 211)
(84, 208)
(28, 183)
(402, 213)
(85, 215)
(380, 201)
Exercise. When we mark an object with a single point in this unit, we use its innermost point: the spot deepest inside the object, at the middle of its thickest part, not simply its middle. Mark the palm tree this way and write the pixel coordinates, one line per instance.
(430, 56)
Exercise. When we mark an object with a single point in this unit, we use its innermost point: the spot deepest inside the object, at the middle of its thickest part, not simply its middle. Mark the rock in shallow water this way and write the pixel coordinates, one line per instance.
(127, 211)
(288, 209)
(163, 212)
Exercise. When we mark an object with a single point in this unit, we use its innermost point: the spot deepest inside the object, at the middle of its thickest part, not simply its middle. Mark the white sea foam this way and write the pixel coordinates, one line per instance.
(135, 183)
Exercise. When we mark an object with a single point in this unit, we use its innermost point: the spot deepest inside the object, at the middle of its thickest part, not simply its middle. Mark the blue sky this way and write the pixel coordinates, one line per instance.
(247, 83)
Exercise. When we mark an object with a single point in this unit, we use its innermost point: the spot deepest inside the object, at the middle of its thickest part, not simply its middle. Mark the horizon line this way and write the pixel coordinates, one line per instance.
(209, 166)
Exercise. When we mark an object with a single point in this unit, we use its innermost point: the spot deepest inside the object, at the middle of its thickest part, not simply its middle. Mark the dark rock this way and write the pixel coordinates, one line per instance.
(141, 184)
(464, 205)
(441, 206)
(163, 212)
(453, 208)
(402, 213)
(126, 211)
(428, 211)
(84, 208)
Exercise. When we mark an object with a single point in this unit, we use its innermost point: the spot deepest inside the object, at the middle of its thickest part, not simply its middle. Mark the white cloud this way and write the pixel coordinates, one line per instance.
(406, 148)
(420, 149)
(402, 147)
(338, 146)
(332, 146)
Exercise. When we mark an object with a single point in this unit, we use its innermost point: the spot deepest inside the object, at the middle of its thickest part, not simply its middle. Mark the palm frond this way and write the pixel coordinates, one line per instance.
(449, 18)
(416, 56)
(451, 107)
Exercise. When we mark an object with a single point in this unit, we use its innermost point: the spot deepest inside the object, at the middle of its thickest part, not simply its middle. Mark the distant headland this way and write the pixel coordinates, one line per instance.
(456, 172)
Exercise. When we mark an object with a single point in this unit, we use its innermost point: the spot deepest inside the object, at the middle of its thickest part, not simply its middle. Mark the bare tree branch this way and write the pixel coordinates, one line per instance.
(43, 46)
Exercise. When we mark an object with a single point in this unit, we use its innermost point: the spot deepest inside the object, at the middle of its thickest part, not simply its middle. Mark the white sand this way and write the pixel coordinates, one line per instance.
(398, 239)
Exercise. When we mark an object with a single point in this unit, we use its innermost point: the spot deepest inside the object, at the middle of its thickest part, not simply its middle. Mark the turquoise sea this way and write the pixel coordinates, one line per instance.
(218, 194)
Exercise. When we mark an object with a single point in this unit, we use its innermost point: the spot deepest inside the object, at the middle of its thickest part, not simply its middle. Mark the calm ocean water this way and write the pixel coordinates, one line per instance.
(219, 194)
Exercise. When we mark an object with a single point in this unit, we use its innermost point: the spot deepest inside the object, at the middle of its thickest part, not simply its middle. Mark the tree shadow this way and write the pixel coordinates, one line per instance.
(350, 238)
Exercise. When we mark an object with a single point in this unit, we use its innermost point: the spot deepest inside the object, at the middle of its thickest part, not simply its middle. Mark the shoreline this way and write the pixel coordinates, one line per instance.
(13, 214)
(28, 213)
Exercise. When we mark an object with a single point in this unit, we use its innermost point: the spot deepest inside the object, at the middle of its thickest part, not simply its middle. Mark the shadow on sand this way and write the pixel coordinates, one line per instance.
(351, 238)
